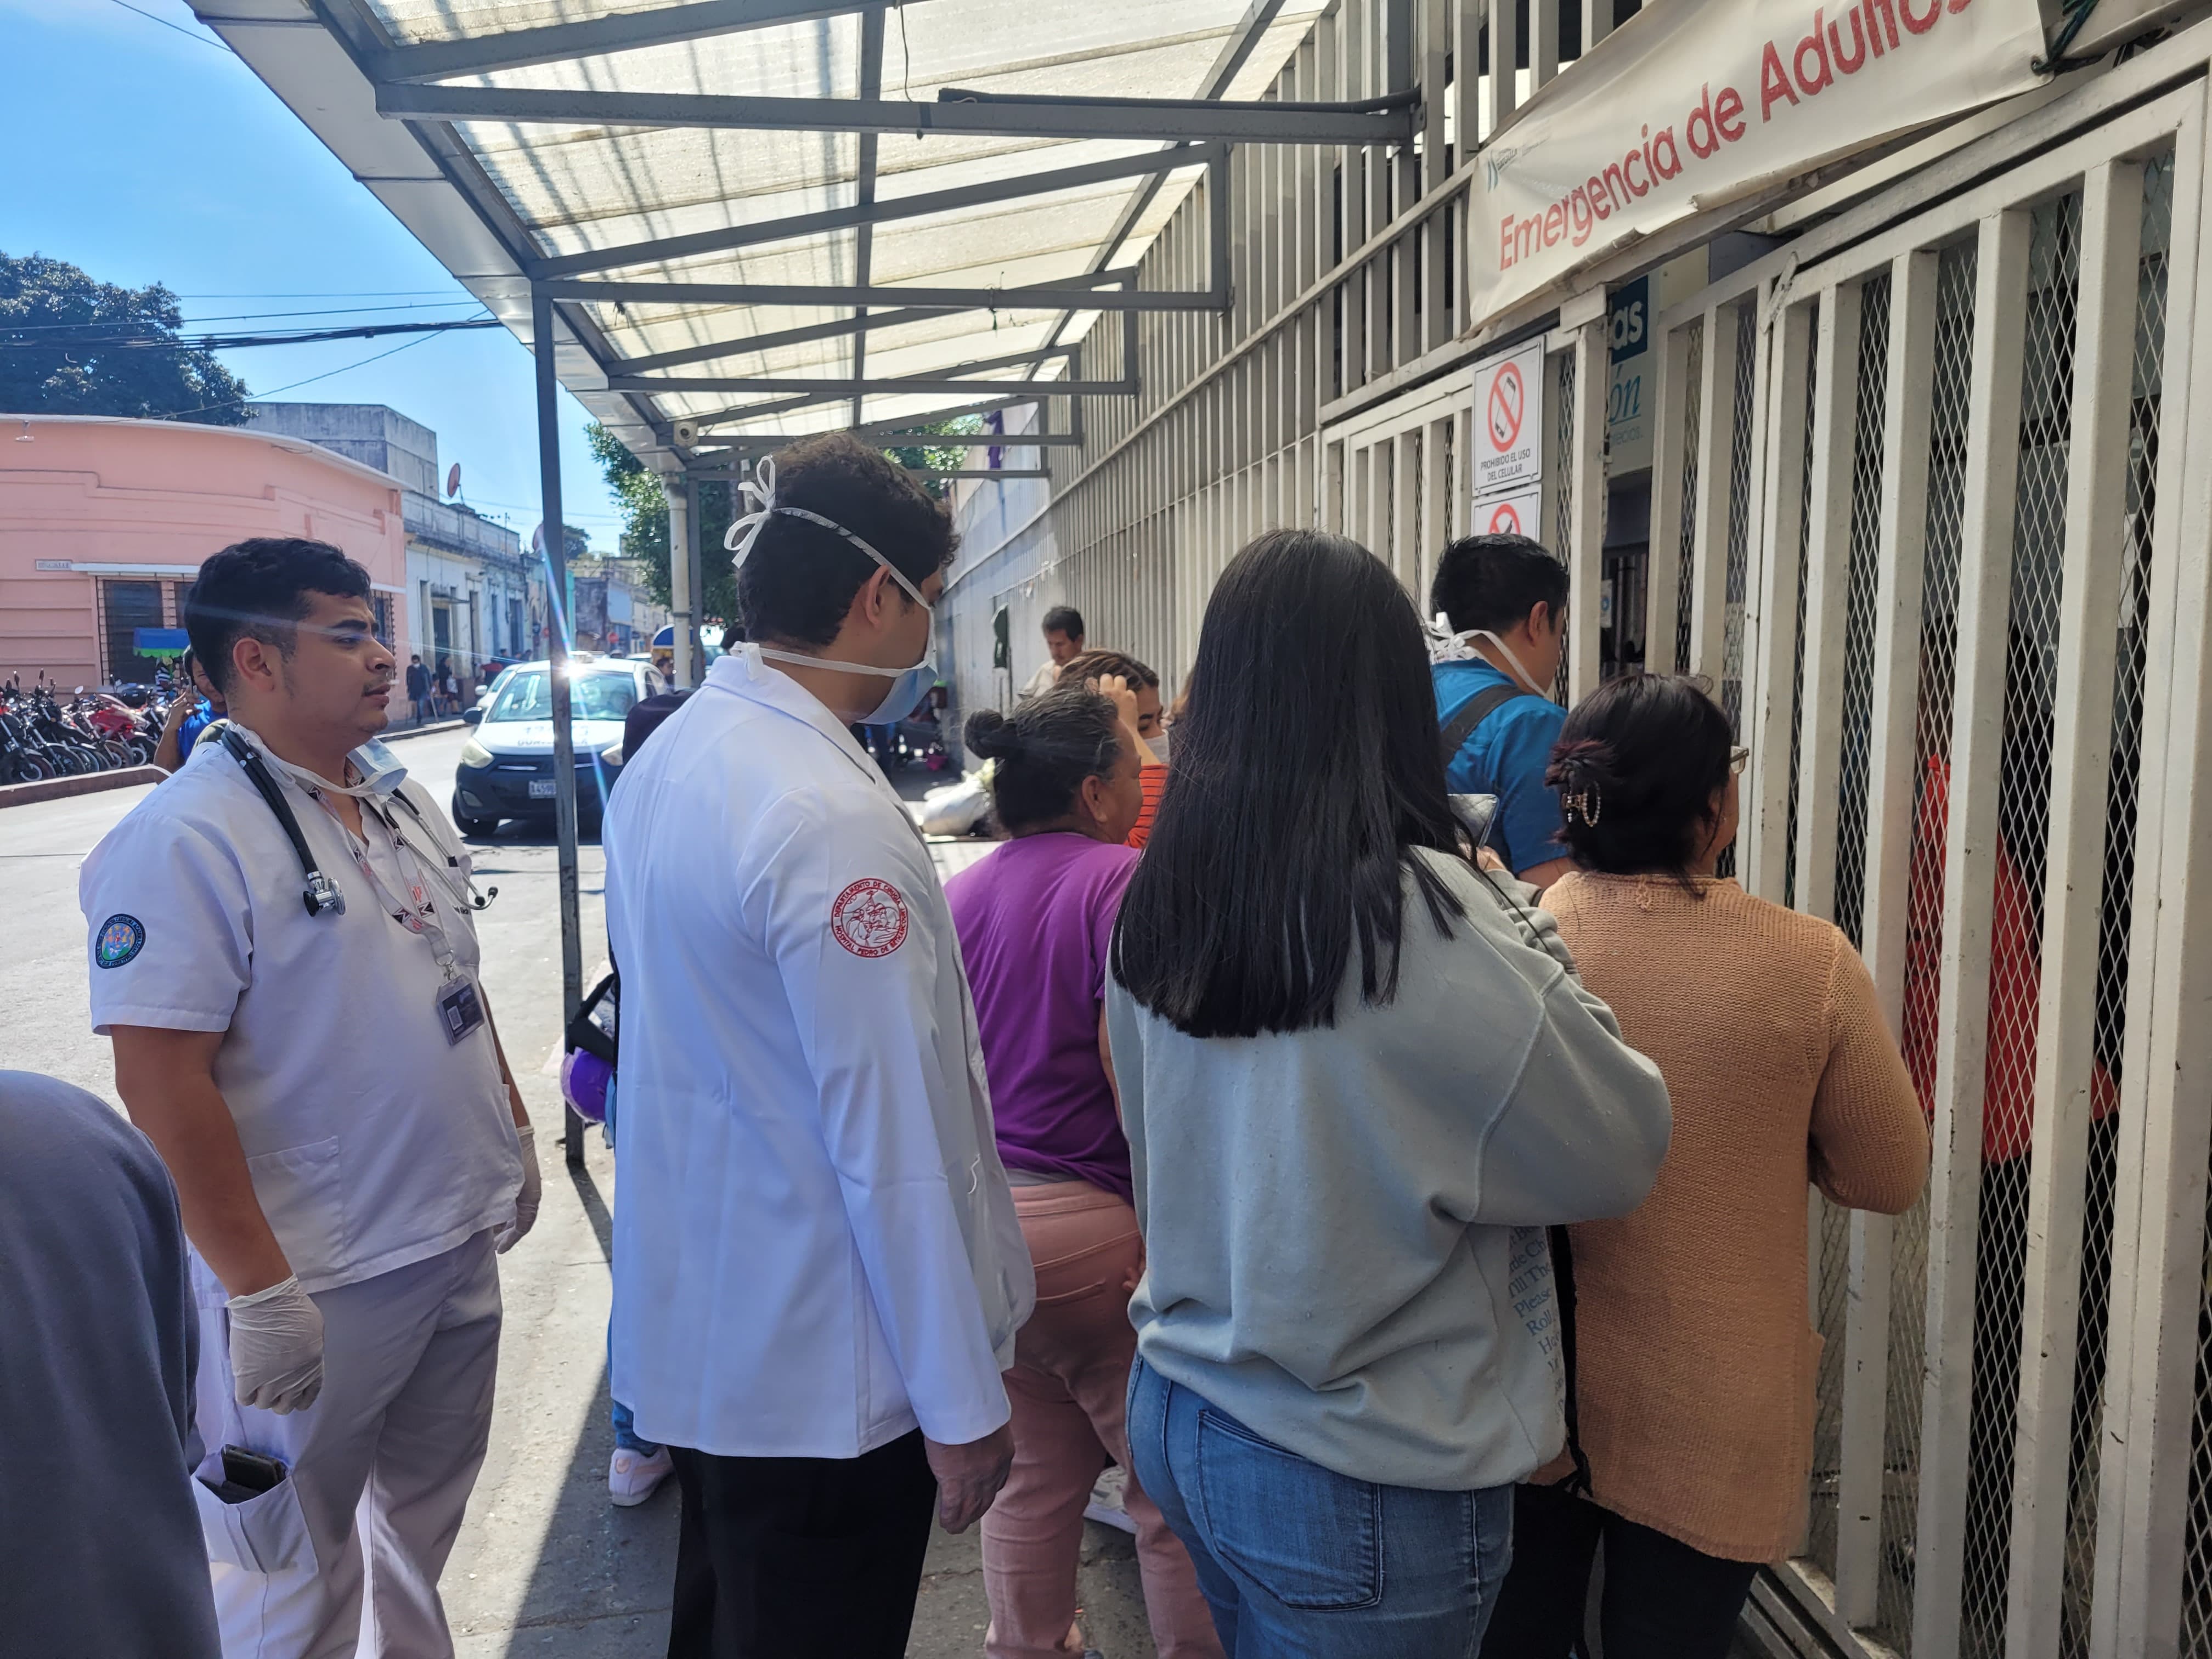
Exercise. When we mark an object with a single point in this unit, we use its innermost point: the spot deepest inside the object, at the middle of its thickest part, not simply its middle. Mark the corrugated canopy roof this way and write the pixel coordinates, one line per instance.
(571, 195)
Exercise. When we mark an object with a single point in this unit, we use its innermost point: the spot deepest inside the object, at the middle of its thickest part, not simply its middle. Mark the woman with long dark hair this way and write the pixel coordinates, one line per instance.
(1357, 1089)
(1694, 1352)
(1035, 918)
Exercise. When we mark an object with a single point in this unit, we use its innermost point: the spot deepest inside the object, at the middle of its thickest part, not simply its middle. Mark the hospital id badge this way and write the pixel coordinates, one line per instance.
(460, 1010)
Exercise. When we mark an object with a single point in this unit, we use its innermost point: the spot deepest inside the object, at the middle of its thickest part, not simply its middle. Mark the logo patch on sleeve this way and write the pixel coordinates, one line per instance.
(869, 917)
(120, 938)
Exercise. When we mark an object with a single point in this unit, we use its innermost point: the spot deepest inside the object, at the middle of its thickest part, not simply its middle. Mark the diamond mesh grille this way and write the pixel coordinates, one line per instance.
(2016, 931)
(1939, 640)
(1829, 1309)
(1692, 408)
(1739, 518)
(1563, 511)
(1798, 649)
(1831, 1277)
(1861, 579)
(2115, 912)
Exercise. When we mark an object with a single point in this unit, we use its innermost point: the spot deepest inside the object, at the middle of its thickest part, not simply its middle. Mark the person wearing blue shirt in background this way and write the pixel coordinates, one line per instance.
(1502, 601)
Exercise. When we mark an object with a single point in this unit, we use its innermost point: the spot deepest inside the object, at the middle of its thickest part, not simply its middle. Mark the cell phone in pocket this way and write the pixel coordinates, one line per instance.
(248, 1473)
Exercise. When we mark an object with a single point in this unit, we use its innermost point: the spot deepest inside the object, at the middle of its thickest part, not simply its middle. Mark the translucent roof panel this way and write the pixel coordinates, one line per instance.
(611, 197)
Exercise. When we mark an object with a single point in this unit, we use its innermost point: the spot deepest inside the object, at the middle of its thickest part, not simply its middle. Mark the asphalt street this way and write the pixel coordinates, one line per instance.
(545, 1564)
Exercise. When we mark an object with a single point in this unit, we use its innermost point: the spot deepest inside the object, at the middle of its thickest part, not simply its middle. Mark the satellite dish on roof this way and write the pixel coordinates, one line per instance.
(453, 481)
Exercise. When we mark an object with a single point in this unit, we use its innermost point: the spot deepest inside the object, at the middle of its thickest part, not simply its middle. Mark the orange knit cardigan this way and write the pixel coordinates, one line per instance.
(1695, 1353)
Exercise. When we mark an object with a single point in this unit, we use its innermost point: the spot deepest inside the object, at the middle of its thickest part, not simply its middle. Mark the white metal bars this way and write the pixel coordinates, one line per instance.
(1969, 374)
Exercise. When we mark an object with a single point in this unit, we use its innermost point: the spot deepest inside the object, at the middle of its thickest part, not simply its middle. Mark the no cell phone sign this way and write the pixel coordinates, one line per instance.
(1509, 407)
(1508, 400)
(1519, 515)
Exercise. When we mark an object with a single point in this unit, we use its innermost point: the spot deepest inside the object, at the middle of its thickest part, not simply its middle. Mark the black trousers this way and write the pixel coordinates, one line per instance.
(800, 1558)
(1663, 1599)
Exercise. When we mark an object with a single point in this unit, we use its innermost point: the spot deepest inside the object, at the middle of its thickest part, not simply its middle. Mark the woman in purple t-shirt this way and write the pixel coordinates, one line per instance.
(1035, 920)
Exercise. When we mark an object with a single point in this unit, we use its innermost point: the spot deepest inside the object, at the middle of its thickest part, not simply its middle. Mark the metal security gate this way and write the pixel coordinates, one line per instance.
(1907, 515)
(1394, 480)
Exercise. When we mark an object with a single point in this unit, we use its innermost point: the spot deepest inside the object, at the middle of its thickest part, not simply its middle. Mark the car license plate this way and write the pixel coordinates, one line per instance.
(541, 788)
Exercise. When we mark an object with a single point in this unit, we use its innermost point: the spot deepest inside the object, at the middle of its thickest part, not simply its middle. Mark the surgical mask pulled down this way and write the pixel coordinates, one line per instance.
(908, 684)
(1446, 646)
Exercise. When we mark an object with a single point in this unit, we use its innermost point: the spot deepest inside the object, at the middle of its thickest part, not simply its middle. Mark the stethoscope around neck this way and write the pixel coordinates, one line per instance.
(318, 891)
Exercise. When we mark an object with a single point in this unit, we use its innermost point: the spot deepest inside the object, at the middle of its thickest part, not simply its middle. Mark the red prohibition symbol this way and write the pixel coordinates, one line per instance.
(1504, 521)
(1507, 402)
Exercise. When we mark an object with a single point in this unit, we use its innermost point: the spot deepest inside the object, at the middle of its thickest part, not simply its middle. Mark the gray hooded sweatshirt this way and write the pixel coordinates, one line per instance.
(1343, 1225)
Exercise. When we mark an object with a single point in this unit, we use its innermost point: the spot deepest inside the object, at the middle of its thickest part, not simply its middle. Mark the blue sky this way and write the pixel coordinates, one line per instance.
(147, 154)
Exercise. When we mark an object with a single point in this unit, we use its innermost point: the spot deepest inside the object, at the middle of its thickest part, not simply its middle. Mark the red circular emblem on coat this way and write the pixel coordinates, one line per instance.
(869, 917)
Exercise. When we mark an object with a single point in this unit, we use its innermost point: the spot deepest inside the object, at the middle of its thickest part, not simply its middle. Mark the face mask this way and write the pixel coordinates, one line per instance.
(1159, 747)
(908, 684)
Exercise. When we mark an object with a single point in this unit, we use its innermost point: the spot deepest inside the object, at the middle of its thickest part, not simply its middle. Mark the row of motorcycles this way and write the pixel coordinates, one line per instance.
(46, 732)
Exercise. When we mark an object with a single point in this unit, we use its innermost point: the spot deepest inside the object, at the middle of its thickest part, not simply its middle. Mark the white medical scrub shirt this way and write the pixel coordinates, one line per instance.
(371, 1141)
(815, 1249)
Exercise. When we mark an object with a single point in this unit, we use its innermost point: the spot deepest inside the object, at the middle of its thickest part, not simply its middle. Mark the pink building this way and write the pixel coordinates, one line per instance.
(103, 524)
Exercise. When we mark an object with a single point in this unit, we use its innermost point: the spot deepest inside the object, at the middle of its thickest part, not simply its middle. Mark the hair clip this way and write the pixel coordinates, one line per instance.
(1584, 804)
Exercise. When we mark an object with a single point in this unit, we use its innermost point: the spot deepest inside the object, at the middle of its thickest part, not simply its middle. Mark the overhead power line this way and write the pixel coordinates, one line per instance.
(240, 342)
(242, 316)
(205, 39)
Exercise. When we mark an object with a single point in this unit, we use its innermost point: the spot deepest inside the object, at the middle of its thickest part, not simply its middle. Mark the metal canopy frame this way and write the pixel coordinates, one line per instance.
(555, 43)
(506, 260)
(1391, 120)
(868, 212)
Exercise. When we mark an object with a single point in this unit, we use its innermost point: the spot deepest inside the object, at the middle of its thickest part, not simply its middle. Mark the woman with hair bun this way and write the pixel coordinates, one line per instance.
(1035, 918)
(1695, 1352)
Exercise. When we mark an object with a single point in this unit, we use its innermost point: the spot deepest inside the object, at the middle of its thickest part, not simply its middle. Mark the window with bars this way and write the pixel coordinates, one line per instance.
(126, 607)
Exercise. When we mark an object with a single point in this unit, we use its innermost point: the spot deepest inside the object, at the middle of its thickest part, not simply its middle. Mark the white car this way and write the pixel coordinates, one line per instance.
(507, 765)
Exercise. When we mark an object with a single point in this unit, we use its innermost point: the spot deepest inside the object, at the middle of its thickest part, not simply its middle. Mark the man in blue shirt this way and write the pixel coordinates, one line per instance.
(1504, 598)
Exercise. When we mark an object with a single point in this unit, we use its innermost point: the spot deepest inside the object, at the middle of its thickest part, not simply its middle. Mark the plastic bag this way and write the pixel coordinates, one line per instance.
(956, 809)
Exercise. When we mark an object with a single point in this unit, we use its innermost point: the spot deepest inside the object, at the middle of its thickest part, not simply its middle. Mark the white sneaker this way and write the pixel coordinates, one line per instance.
(632, 1477)
(1106, 1504)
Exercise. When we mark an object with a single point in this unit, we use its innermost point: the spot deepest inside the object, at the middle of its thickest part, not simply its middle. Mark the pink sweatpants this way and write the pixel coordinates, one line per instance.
(1068, 1386)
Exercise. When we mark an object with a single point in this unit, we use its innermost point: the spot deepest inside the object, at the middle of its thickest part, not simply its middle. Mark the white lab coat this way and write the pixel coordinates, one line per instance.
(815, 1249)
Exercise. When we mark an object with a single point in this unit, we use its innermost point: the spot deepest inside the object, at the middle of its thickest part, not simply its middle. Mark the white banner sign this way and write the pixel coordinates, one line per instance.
(1694, 104)
(1509, 421)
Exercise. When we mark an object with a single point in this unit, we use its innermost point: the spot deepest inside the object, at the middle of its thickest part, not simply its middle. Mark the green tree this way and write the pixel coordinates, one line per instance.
(944, 457)
(644, 506)
(70, 345)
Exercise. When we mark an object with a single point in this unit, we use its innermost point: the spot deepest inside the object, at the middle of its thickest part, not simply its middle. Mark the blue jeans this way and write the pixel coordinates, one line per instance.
(1299, 1562)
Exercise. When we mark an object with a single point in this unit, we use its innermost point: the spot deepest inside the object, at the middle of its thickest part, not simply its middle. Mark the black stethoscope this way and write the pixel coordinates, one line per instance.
(320, 893)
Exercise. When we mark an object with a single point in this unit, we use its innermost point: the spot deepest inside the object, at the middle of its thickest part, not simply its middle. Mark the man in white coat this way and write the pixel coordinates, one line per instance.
(818, 1270)
(283, 949)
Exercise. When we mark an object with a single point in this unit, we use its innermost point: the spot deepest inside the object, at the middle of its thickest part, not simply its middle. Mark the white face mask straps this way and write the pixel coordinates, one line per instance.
(744, 530)
(1446, 646)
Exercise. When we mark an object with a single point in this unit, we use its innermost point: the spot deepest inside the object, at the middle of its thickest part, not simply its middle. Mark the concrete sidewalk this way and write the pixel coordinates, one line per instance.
(546, 1566)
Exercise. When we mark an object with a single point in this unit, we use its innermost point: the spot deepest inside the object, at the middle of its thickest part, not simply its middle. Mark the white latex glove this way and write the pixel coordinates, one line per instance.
(276, 1348)
(526, 1202)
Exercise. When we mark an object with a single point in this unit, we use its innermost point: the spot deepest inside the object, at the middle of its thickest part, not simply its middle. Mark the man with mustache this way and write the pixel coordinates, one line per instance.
(282, 951)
